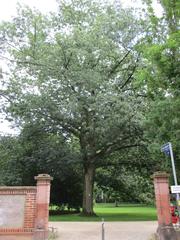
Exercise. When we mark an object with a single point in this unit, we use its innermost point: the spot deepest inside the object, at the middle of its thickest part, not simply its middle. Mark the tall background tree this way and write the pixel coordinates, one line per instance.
(160, 77)
(40, 149)
(74, 71)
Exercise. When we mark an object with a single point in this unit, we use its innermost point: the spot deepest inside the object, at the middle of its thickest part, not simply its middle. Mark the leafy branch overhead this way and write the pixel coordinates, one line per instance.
(71, 71)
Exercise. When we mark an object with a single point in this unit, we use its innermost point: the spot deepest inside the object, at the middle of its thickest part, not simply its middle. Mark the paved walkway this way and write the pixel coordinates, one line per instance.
(113, 230)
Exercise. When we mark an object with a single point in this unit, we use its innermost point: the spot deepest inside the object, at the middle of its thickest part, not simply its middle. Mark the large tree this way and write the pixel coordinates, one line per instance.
(74, 70)
(160, 77)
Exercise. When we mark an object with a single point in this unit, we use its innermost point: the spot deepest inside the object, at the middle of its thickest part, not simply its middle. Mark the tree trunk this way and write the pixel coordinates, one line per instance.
(88, 190)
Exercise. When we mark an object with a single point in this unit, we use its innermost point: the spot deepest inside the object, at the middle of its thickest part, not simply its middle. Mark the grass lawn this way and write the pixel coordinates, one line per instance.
(125, 212)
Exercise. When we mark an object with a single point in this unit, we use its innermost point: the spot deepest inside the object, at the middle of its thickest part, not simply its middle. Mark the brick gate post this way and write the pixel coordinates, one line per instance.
(42, 206)
(165, 229)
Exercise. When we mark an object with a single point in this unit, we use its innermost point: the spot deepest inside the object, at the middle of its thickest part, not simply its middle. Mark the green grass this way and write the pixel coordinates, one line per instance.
(125, 212)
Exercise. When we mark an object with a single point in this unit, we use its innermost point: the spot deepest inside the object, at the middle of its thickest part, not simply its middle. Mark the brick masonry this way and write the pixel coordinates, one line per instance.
(28, 217)
(165, 229)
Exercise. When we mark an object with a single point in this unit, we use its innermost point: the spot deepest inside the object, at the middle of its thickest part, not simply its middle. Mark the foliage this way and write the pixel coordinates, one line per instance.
(121, 184)
(159, 76)
(126, 177)
(9, 171)
(53, 234)
(36, 151)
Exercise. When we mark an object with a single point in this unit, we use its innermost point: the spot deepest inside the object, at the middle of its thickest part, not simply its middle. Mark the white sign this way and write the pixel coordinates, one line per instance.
(175, 189)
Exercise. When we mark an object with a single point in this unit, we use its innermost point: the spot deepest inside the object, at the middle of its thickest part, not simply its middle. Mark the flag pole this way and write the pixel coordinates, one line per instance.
(175, 177)
(173, 165)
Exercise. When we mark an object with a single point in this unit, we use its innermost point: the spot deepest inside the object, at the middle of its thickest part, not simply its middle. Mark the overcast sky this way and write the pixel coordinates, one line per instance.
(8, 9)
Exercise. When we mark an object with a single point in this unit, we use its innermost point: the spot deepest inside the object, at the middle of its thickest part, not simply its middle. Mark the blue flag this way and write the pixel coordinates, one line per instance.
(166, 149)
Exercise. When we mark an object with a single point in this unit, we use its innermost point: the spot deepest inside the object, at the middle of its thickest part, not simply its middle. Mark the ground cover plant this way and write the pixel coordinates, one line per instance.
(108, 212)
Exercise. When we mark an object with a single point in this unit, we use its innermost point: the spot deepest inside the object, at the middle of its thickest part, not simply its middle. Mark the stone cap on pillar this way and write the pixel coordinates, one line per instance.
(160, 175)
(43, 177)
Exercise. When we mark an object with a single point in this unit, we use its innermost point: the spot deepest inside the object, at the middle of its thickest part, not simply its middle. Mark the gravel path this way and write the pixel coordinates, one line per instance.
(113, 230)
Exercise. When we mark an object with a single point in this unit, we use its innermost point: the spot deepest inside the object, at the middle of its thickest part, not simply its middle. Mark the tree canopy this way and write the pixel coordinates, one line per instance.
(160, 77)
(74, 70)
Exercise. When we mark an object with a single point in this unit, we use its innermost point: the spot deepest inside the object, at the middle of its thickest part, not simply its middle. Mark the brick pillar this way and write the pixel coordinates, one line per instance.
(42, 206)
(165, 229)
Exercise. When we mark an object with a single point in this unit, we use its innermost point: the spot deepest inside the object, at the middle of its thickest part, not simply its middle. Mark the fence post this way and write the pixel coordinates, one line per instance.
(42, 206)
(165, 229)
(103, 230)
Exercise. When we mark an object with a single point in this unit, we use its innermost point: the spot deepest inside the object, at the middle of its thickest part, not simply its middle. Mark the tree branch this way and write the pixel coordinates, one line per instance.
(115, 149)
(112, 71)
(131, 74)
(29, 62)
(61, 121)
(6, 97)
